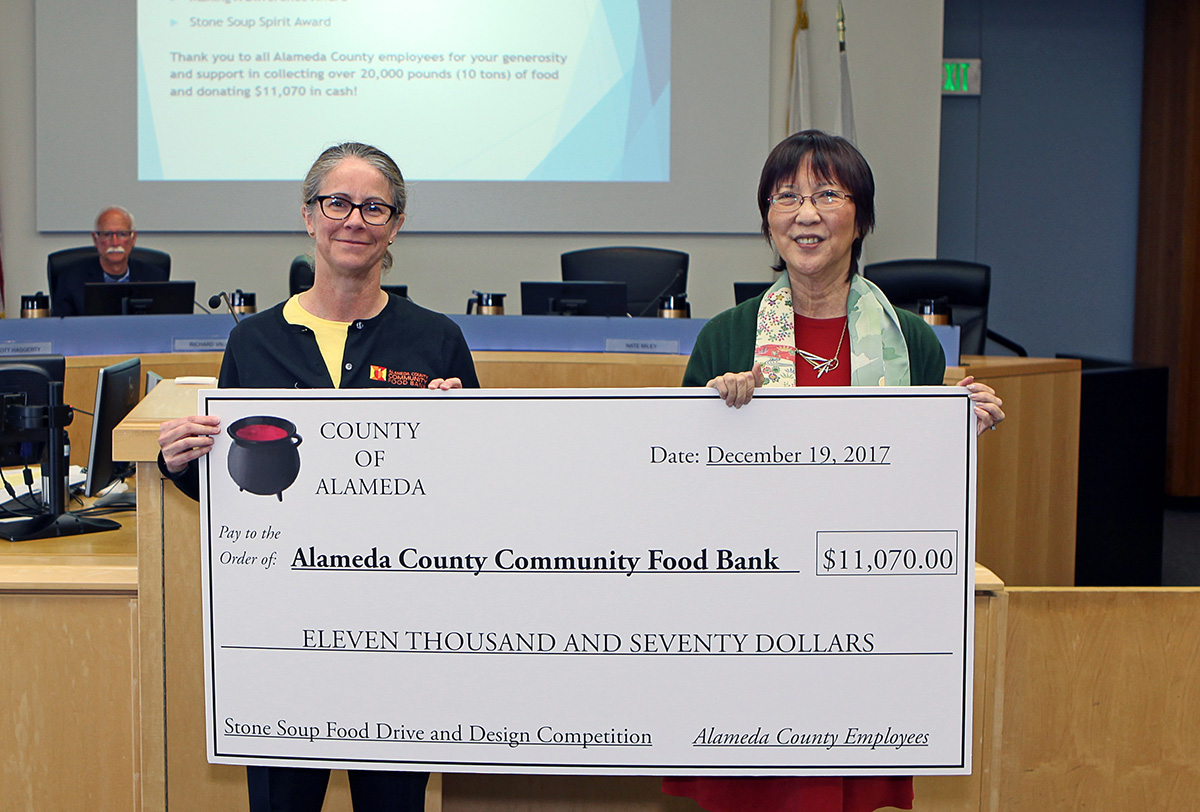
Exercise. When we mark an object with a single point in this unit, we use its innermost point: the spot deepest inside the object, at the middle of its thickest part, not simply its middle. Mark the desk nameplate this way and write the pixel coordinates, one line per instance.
(647, 346)
(198, 344)
(26, 347)
(591, 581)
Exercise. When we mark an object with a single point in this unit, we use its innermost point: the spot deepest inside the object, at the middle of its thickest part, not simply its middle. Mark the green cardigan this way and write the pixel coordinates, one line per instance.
(726, 344)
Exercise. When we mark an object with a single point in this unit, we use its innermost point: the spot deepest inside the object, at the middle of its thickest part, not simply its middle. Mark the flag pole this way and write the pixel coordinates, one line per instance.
(847, 96)
(799, 111)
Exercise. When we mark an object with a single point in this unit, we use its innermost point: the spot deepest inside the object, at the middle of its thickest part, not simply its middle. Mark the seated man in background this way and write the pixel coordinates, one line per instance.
(114, 238)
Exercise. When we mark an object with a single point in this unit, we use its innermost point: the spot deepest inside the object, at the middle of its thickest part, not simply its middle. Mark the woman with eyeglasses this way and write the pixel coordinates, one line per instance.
(344, 332)
(821, 324)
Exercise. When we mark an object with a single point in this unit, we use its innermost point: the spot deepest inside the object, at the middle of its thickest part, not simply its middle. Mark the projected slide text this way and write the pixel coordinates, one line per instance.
(543, 90)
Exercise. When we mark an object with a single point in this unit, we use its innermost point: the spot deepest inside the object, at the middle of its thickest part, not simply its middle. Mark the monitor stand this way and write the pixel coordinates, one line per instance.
(50, 526)
(55, 522)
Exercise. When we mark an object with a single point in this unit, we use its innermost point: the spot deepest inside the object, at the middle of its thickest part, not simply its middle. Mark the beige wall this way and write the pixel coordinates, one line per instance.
(895, 58)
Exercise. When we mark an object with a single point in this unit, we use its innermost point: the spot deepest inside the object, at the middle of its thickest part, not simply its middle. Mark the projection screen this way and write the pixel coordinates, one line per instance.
(514, 116)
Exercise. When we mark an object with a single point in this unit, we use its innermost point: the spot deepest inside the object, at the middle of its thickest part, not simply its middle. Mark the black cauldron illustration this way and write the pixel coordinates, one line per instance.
(263, 458)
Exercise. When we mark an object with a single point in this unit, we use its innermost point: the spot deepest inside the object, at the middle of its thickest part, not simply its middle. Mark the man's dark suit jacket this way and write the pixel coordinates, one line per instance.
(68, 293)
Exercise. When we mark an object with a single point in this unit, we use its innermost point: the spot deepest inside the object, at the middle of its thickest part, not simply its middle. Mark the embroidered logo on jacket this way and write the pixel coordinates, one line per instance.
(397, 377)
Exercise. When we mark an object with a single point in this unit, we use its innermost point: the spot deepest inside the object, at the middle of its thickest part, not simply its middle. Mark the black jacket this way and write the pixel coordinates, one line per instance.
(405, 345)
(68, 288)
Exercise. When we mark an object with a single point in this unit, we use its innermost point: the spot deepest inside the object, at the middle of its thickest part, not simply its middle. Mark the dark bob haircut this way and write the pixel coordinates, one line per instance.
(833, 160)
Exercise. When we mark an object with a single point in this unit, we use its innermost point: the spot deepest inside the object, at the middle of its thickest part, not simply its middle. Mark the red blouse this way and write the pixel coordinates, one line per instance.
(802, 794)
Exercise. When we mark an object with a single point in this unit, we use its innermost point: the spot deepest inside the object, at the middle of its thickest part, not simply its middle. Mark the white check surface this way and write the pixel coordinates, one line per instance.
(597, 581)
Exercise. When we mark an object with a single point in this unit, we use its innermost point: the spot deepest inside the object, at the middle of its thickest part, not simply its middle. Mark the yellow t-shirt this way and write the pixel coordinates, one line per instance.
(331, 336)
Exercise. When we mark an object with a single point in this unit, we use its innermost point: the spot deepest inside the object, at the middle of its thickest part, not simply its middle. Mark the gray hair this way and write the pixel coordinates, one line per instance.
(377, 158)
(128, 216)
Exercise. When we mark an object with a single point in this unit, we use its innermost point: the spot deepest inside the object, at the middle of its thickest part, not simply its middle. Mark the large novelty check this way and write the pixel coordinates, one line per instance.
(591, 581)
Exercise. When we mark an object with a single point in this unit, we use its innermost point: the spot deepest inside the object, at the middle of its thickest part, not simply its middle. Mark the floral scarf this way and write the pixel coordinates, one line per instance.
(878, 351)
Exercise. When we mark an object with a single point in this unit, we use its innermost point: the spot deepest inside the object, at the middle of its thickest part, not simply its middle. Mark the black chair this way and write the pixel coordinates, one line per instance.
(648, 273)
(300, 277)
(966, 286)
(57, 260)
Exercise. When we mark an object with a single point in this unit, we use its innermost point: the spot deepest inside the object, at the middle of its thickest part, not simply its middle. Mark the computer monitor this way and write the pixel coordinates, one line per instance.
(118, 389)
(747, 290)
(24, 383)
(33, 421)
(137, 298)
(573, 299)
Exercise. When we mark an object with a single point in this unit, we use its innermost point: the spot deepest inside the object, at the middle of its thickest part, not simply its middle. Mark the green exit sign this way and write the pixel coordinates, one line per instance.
(962, 77)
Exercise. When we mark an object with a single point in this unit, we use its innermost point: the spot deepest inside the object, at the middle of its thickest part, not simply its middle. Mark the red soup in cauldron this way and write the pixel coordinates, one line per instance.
(261, 433)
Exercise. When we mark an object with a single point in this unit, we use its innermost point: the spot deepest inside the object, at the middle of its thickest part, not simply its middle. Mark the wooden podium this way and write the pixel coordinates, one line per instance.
(1028, 469)
(102, 704)
(174, 769)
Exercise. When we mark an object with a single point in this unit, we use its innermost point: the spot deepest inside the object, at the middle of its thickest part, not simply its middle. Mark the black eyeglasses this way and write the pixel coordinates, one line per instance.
(109, 235)
(339, 208)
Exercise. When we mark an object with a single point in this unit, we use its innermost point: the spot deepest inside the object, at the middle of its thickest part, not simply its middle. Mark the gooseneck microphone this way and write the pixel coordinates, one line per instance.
(215, 301)
(653, 303)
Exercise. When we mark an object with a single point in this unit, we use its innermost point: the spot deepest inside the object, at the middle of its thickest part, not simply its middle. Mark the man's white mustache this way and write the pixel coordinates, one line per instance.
(116, 249)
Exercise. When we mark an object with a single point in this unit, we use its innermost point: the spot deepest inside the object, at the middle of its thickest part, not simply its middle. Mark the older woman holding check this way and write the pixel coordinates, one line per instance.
(821, 324)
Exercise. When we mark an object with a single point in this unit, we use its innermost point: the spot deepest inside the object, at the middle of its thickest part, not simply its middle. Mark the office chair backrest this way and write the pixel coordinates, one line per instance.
(300, 277)
(966, 285)
(57, 260)
(648, 273)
